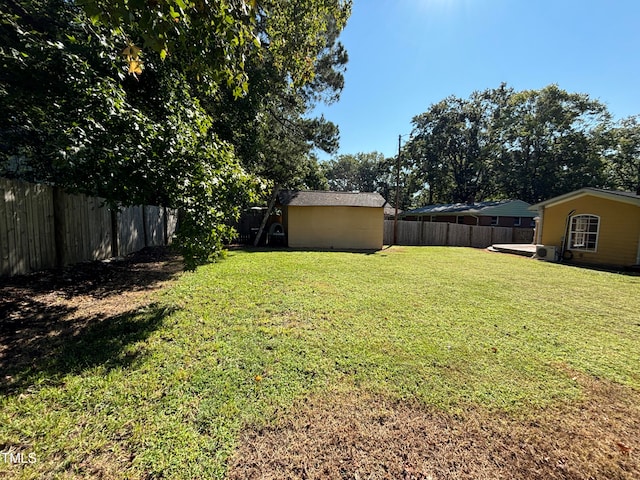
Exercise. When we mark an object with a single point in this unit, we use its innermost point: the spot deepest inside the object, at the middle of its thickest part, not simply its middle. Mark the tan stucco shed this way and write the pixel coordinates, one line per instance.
(592, 226)
(333, 220)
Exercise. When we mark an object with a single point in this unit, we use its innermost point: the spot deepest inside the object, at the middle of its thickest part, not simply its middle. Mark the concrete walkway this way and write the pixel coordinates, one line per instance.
(525, 249)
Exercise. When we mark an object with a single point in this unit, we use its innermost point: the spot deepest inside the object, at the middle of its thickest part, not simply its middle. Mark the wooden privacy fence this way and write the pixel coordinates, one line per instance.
(43, 227)
(452, 234)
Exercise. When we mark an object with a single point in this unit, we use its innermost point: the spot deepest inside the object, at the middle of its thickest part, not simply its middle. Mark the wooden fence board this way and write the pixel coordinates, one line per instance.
(45, 219)
(36, 228)
(387, 235)
(72, 235)
(10, 219)
(480, 237)
(30, 230)
(154, 219)
(522, 235)
(410, 232)
(35, 220)
(41, 226)
(130, 230)
(25, 224)
(17, 254)
(172, 224)
(22, 247)
(451, 234)
(100, 229)
(435, 233)
(459, 235)
(501, 235)
(5, 265)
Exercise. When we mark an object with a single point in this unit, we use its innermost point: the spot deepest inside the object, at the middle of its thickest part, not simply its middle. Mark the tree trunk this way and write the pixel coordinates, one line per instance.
(272, 202)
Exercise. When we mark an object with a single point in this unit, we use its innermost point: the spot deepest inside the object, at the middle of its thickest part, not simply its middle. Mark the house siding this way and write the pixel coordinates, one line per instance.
(619, 230)
(342, 228)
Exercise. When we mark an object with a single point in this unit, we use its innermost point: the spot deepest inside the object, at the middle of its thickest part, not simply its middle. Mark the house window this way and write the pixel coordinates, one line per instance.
(517, 221)
(460, 220)
(494, 221)
(584, 232)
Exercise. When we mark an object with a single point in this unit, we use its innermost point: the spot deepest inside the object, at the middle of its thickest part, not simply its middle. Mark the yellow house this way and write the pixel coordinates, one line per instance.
(333, 220)
(592, 226)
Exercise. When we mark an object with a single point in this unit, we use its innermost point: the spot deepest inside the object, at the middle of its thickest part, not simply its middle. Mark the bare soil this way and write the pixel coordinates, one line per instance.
(41, 311)
(364, 436)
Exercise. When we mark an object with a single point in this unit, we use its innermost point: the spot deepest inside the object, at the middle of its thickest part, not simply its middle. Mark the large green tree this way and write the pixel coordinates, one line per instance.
(125, 99)
(356, 172)
(549, 143)
(623, 154)
(78, 119)
(372, 172)
(499, 143)
(453, 145)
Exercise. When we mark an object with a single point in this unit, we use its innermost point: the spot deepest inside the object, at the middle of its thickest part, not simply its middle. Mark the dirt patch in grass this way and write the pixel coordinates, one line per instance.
(39, 312)
(364, 436)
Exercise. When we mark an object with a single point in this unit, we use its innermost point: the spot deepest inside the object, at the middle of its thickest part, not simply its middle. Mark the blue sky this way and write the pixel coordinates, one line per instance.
(405, 55)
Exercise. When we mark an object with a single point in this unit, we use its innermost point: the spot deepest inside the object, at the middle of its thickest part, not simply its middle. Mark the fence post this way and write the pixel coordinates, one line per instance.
(145, 232)
(59, 225)
(114, 232)
(165, 226)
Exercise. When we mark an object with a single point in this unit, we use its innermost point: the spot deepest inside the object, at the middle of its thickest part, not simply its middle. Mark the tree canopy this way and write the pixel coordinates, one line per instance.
(189, 104)
(500, 143)
(623, 154)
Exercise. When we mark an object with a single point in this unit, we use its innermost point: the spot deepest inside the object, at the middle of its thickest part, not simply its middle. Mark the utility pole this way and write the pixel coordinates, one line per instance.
(395, 217)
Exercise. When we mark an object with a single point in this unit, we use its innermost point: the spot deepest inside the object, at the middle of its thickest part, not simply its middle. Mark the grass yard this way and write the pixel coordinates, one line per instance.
(422, 362)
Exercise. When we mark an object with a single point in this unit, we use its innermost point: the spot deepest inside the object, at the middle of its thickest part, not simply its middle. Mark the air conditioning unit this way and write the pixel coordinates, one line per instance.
(547, 252)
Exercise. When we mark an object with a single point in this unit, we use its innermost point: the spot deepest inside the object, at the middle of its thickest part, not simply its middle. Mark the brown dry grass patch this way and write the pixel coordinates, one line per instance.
(365, 436)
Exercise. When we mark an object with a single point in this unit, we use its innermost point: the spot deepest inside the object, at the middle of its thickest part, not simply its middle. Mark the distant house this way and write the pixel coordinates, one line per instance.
(333, 220)
(499, 213)
(592, 226)
(390, 211)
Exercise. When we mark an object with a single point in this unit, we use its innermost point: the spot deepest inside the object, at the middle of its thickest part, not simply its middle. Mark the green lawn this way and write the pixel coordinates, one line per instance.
(237, 342)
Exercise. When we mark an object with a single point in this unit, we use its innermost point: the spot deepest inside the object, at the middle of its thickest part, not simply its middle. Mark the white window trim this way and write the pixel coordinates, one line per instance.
(572, 233)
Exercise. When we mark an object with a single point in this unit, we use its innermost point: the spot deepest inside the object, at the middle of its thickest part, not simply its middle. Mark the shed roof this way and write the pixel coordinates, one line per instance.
(324, 198)
(492, 208)
(391, 210)
(621, 196)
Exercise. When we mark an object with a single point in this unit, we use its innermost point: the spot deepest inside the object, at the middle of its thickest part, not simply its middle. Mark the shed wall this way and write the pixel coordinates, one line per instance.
(342, 228)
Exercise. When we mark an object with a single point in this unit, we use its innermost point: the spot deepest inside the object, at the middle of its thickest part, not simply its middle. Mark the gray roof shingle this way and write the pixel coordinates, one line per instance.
(323, 198)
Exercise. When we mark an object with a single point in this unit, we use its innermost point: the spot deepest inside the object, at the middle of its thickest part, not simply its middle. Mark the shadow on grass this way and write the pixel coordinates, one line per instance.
(631, 271)
(252, 249)
(65, 321)
(100, 279)
(35, 354)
